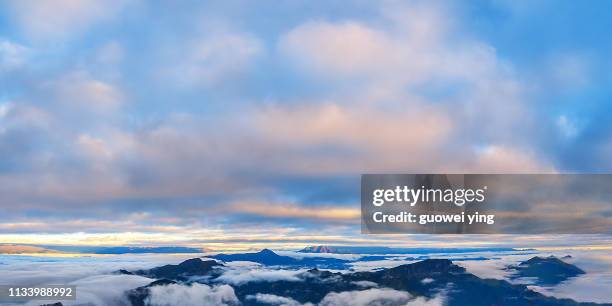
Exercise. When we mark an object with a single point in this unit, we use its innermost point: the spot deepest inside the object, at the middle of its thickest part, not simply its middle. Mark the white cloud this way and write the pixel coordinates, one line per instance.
(344, 48)
(427, 280)
(411, 46)
(371, 265)
(366, 297)
(272, 299)
(438, 300)
(365, 284)
(194, 294)
(104, 290)
(247, 274)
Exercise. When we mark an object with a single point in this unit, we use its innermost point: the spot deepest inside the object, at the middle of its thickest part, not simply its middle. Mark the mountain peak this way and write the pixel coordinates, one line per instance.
(194, 266)
(267, 252)
(432, 265)
(547, 270)
(318, 249)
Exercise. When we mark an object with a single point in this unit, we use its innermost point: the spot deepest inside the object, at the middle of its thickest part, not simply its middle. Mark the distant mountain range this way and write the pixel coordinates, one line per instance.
(269, 258)
(426, 279)
(372, 250)
(388, 250)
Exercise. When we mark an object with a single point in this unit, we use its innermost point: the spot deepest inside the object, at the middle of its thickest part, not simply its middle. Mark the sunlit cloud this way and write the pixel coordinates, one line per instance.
(118, 128)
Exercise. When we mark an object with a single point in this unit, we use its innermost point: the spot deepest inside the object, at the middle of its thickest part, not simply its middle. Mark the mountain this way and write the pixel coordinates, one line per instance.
(377, 250)
(319, 249)
(547, 270)
(269, 258)
(264, 257)
(124, 272)
(187, 269)
(427, 279)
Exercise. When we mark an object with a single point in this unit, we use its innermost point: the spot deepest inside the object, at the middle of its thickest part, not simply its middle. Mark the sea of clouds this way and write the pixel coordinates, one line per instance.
(98, 285)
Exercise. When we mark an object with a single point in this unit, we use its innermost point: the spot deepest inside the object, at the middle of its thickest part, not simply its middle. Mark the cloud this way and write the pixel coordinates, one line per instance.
(366, 297)
(382, 296)
(371, 265)
(409, 50)
(438, 300)
(106, 289)
(92, 275)
(427, 280)
(590, 287)
(43, 20)
(12, 55)
(344, 48)
(365, 137)
(365, 284)
(415, 44)
(194, 294)
(243, 275)
(502, 159)
(271, 299)
(212, 58)
(293, 211)
(101, 290)
(231, 109)
(79, 91)
(567, 127)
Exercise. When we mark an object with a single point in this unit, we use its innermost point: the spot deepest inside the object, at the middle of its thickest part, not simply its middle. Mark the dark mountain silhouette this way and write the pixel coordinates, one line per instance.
(547, 270)
(458, 286)
(269, 258)
(183, 271)
(124, 272)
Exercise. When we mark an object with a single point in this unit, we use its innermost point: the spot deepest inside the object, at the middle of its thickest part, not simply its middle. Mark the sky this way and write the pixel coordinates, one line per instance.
(237, 124)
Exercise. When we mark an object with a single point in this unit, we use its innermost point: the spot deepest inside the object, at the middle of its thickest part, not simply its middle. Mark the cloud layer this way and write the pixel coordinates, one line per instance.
(112, 121)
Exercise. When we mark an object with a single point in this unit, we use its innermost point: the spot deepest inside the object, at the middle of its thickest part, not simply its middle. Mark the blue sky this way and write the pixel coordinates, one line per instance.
(229, 122)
